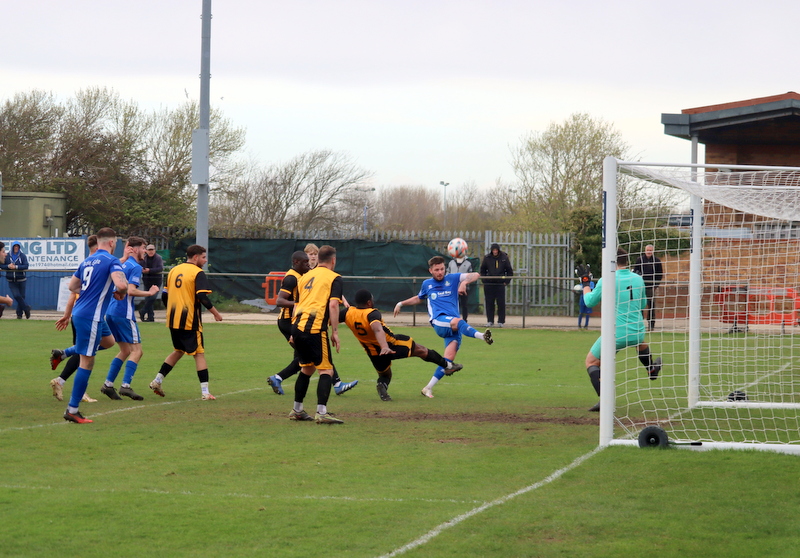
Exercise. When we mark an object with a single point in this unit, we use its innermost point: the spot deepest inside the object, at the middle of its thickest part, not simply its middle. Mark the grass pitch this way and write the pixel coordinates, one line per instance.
(499, 463)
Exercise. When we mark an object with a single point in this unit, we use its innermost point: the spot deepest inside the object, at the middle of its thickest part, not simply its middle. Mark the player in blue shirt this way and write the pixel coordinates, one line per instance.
(441, 293)
(97, 279)
(121, 319)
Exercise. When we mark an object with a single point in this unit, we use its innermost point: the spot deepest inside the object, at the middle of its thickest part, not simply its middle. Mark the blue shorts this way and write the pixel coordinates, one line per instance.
(124, 330)
(622, 342)
(88, 334)
(448, 335)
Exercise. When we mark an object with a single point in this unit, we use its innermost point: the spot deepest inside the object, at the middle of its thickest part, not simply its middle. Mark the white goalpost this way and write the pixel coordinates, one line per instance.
(727, 311)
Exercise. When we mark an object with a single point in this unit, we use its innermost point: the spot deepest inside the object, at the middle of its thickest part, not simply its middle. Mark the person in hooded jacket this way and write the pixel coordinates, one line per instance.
(15, 264)
(496, 271)
(4, 300)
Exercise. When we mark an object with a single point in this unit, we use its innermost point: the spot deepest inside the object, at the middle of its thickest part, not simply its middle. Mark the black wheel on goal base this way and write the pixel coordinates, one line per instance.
(653, 437)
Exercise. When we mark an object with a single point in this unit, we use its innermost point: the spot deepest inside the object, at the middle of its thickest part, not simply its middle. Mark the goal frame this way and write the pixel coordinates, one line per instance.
(611, 169)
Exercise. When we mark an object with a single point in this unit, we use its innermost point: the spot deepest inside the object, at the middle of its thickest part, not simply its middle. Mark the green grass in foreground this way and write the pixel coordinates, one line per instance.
(233, 477)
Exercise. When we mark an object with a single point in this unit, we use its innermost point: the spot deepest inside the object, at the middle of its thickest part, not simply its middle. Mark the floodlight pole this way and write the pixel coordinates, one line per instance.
(200, 136)
(444, 198)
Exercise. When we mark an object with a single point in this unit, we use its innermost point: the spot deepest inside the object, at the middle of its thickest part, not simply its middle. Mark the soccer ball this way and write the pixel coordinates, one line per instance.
(457, 248)
(578, 288)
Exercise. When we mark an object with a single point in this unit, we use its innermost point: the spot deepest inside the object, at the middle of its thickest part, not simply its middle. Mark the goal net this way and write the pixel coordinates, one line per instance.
(726, 311)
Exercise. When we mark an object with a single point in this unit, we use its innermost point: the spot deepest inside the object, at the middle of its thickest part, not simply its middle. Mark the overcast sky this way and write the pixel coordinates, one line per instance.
(416, 91)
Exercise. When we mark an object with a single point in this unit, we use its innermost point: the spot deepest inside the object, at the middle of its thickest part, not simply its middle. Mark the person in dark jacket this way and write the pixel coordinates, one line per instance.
(496, 271)
(649, 267)
(15, 264)
(4, 300)
(152, 267)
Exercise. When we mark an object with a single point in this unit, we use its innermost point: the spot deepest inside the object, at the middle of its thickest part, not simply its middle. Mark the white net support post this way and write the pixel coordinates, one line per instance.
(726, 312)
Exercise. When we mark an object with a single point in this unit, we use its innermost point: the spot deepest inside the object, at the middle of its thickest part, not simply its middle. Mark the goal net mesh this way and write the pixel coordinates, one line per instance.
(743, 385)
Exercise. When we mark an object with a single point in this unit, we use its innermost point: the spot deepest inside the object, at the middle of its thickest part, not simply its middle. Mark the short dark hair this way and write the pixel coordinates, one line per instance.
(135, 241)
(2, 245)
(362, 297)
(622, 257)
(92, 241)
(299, 255)
(434, 261)
(194, 250)
(106, 233)
(326, 254)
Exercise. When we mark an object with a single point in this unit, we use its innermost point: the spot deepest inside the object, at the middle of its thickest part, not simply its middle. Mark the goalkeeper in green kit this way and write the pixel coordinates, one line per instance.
(631, 300)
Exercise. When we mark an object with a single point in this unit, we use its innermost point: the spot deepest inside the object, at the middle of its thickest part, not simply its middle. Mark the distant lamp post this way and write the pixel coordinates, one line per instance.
(365, 205)
(445, 184)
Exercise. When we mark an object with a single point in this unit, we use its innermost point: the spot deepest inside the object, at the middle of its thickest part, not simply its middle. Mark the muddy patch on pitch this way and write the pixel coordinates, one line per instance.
(503, 418)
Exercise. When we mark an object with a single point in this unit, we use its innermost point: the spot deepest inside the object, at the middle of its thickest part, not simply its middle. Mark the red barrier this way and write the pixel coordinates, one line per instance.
(272, 285)
(744, 305)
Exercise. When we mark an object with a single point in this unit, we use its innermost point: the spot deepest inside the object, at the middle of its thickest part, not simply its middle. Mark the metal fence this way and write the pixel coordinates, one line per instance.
(544, 260)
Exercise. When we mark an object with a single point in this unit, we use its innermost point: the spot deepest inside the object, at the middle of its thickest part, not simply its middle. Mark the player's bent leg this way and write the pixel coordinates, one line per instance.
(382, 385)
(465, 329)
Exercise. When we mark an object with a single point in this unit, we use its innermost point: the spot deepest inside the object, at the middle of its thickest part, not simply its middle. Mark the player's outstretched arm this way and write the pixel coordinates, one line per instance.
(466, 279)
(380, 335)
(407, 302)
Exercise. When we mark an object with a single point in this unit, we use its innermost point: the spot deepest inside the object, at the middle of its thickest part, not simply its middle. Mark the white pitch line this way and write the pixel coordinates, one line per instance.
(475, 511)
(123, 410)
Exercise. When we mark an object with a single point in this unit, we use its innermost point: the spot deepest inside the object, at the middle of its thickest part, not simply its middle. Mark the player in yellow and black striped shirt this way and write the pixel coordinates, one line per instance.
(287, 297)
(186, 289)
(383, 345)
(320, 293)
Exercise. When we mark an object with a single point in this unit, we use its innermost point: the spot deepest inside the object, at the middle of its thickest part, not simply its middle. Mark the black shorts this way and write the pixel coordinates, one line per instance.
(285, 327)
(402, 347)
(189, 342)
(313, 349)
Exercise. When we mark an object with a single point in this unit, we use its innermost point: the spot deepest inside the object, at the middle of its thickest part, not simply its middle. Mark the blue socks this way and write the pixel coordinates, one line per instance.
(465, 329)
(130, 370)
(113, 370)
(79, 386)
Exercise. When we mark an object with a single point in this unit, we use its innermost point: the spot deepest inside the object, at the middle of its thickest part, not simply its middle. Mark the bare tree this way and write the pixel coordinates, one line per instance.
(313, 191)
(410, 208)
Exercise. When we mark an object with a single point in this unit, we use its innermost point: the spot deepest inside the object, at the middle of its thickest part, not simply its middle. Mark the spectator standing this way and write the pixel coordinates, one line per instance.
(584, 311)
(651, 270)
(496, 271)
(152, 267)
(461, 265)
(2, 259)
(15, 264)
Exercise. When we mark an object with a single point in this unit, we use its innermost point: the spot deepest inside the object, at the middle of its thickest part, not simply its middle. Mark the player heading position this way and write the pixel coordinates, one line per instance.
(121, 319)
(186, 290)
(382, 345)
(631, 301)
(441, 292)
(320, 293)
(97, 279)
